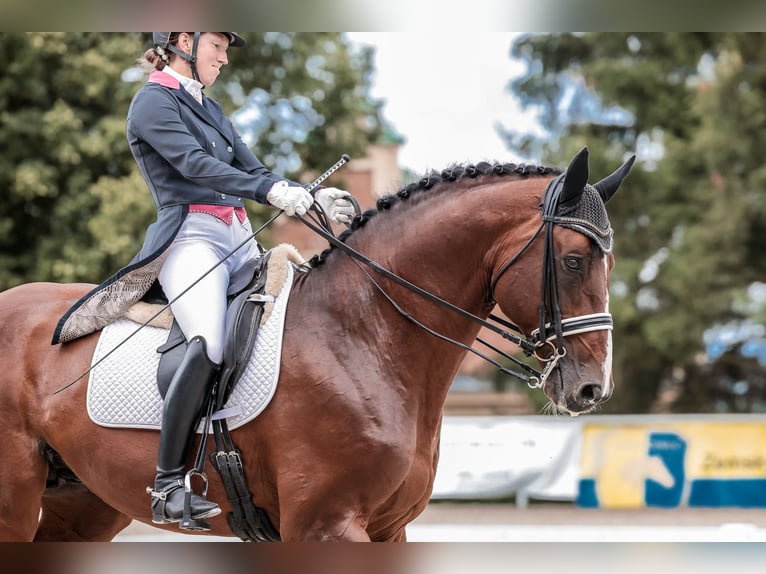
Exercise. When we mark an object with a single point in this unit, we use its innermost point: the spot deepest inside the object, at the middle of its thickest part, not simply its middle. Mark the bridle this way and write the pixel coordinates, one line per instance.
(553, 328)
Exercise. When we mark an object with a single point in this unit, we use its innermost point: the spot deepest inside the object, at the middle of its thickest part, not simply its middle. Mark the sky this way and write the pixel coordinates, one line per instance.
(445, 92)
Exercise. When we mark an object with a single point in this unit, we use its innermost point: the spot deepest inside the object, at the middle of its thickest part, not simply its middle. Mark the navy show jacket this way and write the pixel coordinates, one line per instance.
(188, 154)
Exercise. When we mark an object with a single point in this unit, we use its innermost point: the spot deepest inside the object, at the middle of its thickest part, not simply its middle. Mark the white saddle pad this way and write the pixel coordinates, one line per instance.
(122, 390)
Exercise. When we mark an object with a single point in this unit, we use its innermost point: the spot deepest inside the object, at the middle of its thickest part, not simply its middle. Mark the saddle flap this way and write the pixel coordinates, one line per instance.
(171, 355)
(175, 338)
(243, 319)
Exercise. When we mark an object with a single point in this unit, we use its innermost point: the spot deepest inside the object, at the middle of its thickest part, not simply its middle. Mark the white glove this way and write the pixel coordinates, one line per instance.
(334, 202)
(294, 200)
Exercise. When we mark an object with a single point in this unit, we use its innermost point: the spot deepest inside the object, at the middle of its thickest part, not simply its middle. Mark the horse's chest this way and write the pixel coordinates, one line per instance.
(416, 488)
(407, 503)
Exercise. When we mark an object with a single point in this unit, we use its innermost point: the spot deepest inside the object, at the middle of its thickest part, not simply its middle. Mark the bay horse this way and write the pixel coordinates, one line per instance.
(348, 447)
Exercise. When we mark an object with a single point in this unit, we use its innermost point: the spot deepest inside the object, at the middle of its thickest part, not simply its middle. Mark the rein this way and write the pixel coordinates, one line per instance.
(360, 258)
(552, 326)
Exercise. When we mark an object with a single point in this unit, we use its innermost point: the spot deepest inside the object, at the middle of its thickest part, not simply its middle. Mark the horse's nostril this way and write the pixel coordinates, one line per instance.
(589, 393)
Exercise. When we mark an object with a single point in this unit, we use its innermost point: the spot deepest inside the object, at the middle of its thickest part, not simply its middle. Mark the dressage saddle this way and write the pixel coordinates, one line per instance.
(243, 318)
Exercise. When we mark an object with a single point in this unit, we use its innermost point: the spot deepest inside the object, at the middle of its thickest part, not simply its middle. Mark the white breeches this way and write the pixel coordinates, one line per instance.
(203, 241)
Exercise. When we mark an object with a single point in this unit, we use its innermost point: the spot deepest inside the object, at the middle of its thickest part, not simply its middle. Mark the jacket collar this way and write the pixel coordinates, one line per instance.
(194, 87)
(164, 79)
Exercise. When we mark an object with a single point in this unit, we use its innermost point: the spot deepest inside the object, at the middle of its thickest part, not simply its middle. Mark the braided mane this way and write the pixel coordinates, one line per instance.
(452, 174)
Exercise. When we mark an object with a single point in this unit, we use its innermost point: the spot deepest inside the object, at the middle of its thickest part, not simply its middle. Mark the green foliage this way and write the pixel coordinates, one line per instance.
(689, 220)
(59, 96)
(314, 95)
(75, 208)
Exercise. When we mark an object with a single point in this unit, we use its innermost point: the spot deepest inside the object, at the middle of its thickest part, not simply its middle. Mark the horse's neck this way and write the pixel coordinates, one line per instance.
(447, 246)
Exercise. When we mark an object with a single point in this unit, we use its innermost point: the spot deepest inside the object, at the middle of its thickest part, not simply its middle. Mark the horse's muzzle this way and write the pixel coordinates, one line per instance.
(586, 397)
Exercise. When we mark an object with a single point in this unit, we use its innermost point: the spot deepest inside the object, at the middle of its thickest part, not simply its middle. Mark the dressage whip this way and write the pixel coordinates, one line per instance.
(345, 158)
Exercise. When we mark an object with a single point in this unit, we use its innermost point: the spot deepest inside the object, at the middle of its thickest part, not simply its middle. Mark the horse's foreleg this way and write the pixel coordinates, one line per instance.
(323, 529)
(73, 513)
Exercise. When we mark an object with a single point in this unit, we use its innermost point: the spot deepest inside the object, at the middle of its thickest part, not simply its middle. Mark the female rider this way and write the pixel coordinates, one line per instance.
(199, 171)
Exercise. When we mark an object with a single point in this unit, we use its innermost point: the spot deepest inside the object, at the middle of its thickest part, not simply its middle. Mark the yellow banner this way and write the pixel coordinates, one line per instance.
(673, 464)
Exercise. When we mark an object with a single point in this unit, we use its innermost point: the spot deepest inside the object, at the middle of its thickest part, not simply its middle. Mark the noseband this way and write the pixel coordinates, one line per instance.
(553, 328)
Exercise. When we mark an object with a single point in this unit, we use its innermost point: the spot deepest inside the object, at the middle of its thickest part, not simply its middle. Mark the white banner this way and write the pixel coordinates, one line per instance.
(500, 457)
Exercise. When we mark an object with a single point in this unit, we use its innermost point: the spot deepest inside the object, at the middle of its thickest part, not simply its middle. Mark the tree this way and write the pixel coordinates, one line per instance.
(306, 98)
(61, 129)
(688, 221)
(75, 207)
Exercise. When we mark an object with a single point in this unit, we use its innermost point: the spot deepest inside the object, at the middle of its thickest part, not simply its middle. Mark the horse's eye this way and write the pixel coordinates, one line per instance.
(573, 263)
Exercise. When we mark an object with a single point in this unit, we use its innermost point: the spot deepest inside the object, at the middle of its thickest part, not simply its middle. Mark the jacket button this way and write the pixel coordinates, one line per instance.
(229, 149)
(223, 196)
(212, 144)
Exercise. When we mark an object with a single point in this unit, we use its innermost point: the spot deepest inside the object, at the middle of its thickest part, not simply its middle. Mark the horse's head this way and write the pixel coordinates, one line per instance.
(571, 257)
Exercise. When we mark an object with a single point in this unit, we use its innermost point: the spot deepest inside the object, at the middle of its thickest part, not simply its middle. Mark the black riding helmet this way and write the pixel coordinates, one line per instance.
(162, 40)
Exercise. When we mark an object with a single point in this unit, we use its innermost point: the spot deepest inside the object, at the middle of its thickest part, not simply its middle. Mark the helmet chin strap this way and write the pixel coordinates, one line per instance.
(191, 58)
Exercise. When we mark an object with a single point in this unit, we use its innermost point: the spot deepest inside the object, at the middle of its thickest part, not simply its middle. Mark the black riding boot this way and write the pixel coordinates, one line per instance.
(180, 416)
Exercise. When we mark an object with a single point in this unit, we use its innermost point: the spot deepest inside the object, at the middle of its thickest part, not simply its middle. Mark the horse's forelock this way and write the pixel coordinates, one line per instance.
(450, 178)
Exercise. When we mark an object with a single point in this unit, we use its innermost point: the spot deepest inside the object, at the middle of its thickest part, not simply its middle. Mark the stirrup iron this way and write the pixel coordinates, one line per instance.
(198, 524)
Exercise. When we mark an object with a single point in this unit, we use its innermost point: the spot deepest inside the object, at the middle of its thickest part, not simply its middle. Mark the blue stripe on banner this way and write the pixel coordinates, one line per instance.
(743, 493)
(586, 494)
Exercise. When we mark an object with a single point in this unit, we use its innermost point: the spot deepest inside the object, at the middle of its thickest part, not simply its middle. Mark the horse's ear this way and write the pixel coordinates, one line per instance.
(576, 177)
(611, 183)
